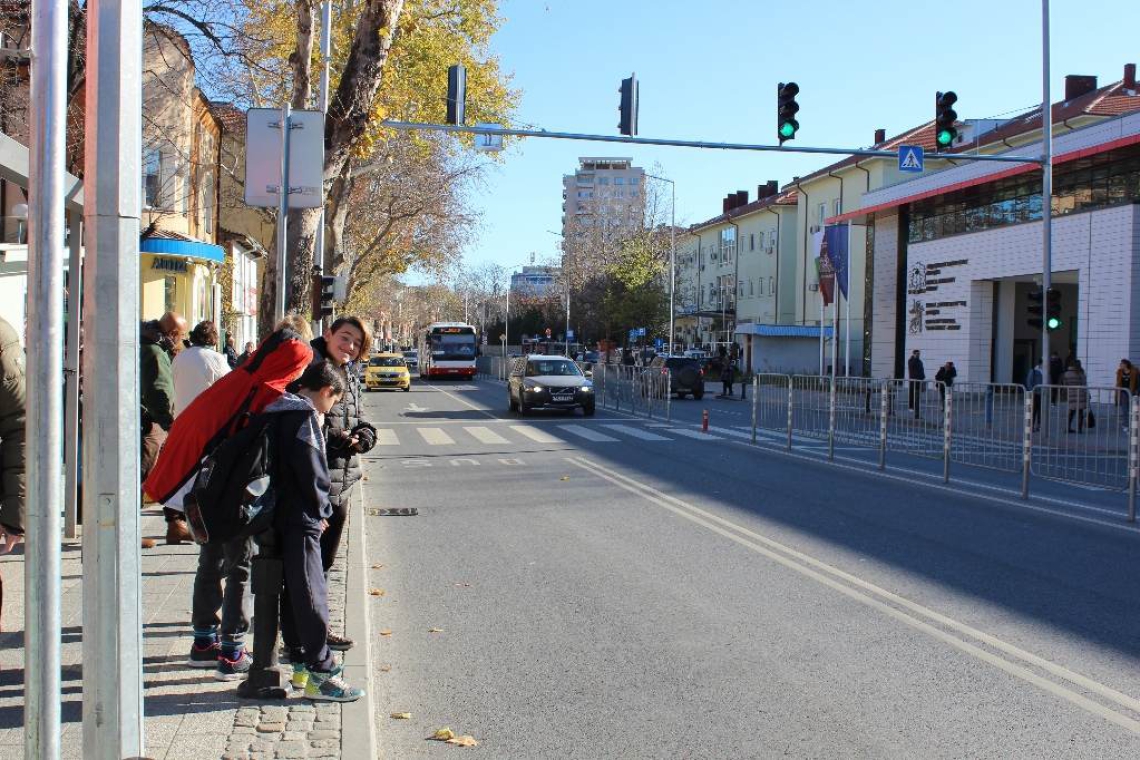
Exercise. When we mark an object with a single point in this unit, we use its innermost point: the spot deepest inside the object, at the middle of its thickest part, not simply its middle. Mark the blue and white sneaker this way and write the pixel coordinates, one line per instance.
(233, 669)
(328, 686)
(204, 657)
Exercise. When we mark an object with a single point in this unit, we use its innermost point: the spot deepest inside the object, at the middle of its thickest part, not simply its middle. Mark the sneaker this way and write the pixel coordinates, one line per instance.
(328, 686)
(300, 676)
(204, 657)
(339, 643)
(232, 670)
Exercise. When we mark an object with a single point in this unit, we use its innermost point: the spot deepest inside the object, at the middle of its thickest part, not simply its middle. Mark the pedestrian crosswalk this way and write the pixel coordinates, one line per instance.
(506, 435)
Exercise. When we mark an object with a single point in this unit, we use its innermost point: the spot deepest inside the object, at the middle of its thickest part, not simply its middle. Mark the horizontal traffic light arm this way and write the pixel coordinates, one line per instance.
(505, 132)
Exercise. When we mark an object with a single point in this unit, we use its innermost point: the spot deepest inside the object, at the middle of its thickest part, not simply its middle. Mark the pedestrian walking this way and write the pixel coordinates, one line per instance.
(245, 354)
(231, 352)
(198, 367)
(1127, 379)
(1033, 382)
(302, 516)
(347, 434)
(157, 341)
(13, 413)
(727, 376)
(916, 374)
(1075, 384)
(945, 379)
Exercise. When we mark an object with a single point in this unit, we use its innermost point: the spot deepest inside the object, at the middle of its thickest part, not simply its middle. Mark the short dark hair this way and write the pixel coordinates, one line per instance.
(318, 376)
(358, 323)
(204, 334)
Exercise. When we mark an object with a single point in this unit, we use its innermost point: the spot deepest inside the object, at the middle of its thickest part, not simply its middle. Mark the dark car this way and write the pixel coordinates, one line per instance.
(686, 375)
(538, 381)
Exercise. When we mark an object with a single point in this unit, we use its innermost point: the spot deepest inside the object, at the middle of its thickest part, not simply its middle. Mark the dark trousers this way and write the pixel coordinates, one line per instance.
(232, 561)
(330, 539)
(1036, 409)
(153, 438)
(1080, 414)
(915, 387)
(305, 601)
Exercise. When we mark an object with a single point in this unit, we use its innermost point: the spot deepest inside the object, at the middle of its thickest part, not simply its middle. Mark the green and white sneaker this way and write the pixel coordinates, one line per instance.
(328, 686)
(300, 676)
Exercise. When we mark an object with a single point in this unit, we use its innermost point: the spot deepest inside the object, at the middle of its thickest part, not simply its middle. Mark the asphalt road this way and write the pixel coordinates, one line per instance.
(614, 588)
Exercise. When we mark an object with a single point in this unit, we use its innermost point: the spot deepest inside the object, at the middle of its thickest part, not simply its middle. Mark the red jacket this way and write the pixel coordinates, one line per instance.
(221, 409)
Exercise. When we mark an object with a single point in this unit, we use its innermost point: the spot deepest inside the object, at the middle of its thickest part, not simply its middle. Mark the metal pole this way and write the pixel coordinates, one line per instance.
(847, 310)
(755, 394)
(791, 410)
(947, 416)
(1133, 455)
(112, 615)
(42, 637)
(283, 219)
(1046, 180)
(884, 409)
(567, 319)
(831, 414)
(822, 319)
(71, 369)
(319, 253)
(1027, 443)
(672, 263)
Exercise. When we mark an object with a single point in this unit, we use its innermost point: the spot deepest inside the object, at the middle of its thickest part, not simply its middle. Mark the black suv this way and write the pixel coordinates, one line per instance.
(686, 374)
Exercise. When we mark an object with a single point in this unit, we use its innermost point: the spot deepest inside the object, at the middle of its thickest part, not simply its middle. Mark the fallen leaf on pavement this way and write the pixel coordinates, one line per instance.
(463, 741)
(385, 668)
(385, 632)
(377, 566)
(435, 630)
(564, 477)
(376, 591)
(402, 716)
(463, 585)
(443, 735)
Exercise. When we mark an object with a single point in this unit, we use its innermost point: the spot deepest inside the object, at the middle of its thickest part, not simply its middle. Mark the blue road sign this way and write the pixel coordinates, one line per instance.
(659, 342)
(912, 158)
(641, 332)
(632, 335)
(569, 335)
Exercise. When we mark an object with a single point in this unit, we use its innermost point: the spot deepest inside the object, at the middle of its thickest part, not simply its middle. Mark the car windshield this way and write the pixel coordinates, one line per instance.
(386, 361)
(551, 367)
(677, 362)
(410, 354)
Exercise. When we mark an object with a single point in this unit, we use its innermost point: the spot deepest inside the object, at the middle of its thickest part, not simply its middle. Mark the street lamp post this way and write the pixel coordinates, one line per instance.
(672, 254)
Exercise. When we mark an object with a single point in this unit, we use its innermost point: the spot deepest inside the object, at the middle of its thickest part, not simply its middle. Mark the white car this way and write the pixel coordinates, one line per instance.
(539, 381)
(412, 359)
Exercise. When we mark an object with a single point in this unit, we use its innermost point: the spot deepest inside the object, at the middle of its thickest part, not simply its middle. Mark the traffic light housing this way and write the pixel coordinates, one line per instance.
(323, 295)
(1036, 309)
(944, 117)
(456, 95)
(1053, 310)
(786, 109)
(627, 124)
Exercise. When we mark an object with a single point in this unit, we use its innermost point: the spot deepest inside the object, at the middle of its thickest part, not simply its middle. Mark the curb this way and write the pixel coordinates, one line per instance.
(358, 719)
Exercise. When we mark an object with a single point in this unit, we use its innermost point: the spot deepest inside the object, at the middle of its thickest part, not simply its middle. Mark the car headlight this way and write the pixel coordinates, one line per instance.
(587, 389)
(535, 388)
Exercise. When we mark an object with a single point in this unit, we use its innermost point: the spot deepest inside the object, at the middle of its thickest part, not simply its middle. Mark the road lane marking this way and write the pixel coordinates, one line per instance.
(589, 435)
(866, 593)
(535, 434)
(644, 435)
(694, 434)
(486, 435)
(435, 436)
(387, 438)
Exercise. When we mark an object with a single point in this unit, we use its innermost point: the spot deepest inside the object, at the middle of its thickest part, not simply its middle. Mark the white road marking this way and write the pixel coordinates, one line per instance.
(416, 408)
(695, 434)
(435, 436)
(486, 435)
(630, 430)
(589, 435)
(387, 438)
(881, 599)
(535, 434)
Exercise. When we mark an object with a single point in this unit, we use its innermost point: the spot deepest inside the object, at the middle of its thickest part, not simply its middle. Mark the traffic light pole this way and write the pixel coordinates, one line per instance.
(1046, 183)
(502, 131)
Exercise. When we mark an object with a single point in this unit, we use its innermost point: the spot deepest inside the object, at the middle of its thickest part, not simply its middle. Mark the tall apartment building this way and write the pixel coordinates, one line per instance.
(603, 194)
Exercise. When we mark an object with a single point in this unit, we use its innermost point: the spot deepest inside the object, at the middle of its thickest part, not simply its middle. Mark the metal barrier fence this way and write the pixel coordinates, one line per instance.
(1080, 435)
(493, 367)
(634, 390)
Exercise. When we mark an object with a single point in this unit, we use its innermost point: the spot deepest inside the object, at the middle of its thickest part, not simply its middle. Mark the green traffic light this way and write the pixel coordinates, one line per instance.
(945, 138)
(1053, 323)
(787, 129)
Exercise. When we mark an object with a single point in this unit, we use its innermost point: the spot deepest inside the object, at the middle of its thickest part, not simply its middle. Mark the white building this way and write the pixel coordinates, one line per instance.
(535, 282)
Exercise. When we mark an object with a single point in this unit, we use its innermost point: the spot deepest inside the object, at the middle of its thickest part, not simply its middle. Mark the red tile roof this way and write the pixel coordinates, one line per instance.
(786, 198)
(231, 117)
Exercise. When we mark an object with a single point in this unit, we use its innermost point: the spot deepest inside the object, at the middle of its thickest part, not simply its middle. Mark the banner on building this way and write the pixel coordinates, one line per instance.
(837, 238)
(824, 270)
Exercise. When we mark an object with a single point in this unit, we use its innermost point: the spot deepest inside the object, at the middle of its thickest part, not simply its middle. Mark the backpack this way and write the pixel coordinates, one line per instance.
(232, 496)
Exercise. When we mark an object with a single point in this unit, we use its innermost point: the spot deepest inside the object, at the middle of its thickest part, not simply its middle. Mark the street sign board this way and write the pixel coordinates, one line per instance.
(263, 158)
(489, 143)
(641, 332)
(912, 158)
(658, 342)
(569, 335)
(632, 335)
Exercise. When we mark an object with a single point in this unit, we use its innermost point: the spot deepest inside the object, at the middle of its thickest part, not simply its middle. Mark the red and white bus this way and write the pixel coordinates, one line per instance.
(448, 349)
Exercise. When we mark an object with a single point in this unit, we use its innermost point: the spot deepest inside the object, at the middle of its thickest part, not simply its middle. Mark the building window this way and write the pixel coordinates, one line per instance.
(603, 180)
(822, 214)
(633, 180)
(838, 207)
(771, 285)
(752, 241)
(152, 177)
(619, 180)
(171, 292)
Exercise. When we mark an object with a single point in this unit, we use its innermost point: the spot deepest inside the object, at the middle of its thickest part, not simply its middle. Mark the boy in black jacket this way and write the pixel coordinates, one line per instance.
(301, 516)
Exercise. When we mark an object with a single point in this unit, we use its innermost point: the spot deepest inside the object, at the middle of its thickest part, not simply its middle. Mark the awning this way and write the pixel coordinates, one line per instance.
(783, 331)
(191, 248)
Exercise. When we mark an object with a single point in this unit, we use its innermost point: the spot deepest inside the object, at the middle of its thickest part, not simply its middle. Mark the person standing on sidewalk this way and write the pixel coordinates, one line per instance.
(198, 367)
(13, 412)
(945, 375)
(1075, 381)
(302, 515)
(1033, 382)
(916, 373)
(347, 435)
(231, 352)
(157, 339)
(244, 357)
(728, 376)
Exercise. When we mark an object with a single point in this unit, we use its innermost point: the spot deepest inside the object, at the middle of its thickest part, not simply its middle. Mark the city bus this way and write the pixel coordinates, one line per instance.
(448, 349)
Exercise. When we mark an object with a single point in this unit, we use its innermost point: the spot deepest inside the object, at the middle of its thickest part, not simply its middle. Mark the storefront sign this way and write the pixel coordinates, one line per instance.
(169, 265)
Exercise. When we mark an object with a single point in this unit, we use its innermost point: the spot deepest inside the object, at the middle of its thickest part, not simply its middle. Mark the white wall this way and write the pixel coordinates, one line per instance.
(884, 310)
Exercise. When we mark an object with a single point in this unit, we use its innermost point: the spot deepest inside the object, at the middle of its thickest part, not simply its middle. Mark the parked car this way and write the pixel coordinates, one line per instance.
(538, 381)
(387, 371)
(687, 376)
(412, 359)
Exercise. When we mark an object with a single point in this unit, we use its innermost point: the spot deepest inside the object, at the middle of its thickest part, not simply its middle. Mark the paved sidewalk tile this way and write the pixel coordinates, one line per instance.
(189, 714)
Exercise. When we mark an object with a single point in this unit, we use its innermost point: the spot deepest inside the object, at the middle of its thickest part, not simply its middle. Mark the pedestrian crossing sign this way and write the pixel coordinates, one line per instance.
(911, 158)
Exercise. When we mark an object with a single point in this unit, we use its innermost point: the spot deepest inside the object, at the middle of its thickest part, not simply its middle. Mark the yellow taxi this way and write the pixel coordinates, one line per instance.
(387, 371)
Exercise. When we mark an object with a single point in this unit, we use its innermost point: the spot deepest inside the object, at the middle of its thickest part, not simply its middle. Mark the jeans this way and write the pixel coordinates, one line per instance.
(305, 602)
(230, 560)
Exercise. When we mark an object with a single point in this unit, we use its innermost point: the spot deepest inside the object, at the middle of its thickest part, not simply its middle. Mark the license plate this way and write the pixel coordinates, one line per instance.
(562, 396)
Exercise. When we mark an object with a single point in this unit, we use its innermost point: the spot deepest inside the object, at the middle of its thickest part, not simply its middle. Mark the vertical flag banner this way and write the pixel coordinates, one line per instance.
(836, 239)
(824, 270)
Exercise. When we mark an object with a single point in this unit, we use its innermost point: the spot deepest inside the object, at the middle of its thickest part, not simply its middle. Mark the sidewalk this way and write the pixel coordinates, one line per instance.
(188, 713)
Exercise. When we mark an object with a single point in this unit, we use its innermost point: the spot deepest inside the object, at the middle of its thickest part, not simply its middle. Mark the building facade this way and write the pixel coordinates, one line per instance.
(603, 194)
(535, 282)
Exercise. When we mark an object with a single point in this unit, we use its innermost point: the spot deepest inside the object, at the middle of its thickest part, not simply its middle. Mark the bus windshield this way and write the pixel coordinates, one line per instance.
(453, 347)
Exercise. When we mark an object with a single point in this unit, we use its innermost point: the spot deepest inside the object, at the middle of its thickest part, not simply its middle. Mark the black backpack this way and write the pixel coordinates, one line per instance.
(232, 496)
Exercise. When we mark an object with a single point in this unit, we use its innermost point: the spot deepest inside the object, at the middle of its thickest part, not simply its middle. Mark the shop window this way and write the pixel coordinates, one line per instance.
(152, 178)
(171, 293)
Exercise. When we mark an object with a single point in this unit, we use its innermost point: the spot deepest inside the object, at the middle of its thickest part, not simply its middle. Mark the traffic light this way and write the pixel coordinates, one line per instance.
(456, 94)
(628, 107)
(944, 118)
(1036, 309)
(1053, 309)
(323, 294)
(786, 109)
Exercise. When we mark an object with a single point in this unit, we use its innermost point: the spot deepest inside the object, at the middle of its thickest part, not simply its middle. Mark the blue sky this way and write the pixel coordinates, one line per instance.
(708, 70)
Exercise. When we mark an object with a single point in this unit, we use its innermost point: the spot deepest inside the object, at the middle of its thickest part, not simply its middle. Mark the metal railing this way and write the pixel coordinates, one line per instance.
(642, 392)
(1082, 435)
